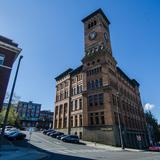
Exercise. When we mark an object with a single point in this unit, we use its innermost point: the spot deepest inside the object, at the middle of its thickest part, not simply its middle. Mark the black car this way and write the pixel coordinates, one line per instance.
(50, 132)
(60, 136)
(54, 135)
(16, 136)
(47, 130)
(71, 138)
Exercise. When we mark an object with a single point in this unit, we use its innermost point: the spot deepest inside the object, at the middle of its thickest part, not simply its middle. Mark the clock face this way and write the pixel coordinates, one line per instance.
(92, 35)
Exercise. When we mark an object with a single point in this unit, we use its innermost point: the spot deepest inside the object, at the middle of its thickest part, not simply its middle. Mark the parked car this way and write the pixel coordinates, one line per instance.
(53, 132)
(46, 130)
(60, 136)
(50, 132)
(7, 132)
(16, 136)
(71, 138)
(9, 127)
(54, 135)
(155, 148)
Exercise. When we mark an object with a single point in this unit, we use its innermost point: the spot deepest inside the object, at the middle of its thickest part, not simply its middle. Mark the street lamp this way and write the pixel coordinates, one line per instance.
(10, 99)
(119, 122)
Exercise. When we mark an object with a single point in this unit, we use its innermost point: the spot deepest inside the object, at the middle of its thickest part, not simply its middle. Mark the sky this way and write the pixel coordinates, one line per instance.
(50, 33)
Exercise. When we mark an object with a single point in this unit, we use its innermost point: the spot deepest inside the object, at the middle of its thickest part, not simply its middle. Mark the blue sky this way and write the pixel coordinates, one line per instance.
(50, 32)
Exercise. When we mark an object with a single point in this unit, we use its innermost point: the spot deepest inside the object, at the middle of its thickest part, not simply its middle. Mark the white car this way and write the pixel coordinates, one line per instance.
(7, 131)
(7, 128)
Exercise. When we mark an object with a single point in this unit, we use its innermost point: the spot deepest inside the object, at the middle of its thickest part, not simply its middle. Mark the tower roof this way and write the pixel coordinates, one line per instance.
(95, 13)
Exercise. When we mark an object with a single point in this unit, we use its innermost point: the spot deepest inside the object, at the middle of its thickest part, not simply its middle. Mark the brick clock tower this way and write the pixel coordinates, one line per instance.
(106, 87)
(97, 111)
(100, 97)
(96, 32)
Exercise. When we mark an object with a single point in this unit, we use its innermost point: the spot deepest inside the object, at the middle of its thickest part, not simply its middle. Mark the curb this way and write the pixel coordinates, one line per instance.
(109, 148)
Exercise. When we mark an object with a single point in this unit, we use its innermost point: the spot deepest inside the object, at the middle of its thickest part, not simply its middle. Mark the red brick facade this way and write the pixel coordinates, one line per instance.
(9, 50)
(107, 93)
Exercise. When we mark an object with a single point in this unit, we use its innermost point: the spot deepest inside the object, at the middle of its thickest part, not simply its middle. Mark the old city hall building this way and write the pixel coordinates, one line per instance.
(93, 99)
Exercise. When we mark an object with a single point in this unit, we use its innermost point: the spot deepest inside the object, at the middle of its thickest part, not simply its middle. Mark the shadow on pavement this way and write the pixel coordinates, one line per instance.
(51, 156)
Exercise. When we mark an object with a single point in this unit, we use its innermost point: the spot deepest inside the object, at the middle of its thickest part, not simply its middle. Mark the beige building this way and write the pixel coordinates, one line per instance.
(93, 99)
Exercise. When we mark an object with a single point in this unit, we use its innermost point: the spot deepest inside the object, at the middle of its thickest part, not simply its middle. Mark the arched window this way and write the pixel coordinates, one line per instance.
(95, 22)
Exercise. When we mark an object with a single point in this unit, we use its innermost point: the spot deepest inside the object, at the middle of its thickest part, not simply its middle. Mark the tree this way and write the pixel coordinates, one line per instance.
(13, 119)
(15, 98)
(153, 122)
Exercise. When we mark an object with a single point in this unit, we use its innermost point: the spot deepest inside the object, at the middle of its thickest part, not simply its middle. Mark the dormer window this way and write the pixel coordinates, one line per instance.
(1, 59)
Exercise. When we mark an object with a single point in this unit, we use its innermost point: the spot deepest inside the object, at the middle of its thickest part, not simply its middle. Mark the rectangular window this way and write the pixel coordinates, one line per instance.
(90, 100)
(72, 121)
(80, 119)
(91, 120)
(1, 59)
(60, 109)
(80, 103)
(60, 123)
(80, 88)
(65, 108)
(101, 99)
(74, 91)
(76, 121)
(100, 82)
(65, 122)
(71, 105)
(76, 104)
(88, 85)
(95, 100)
(97, 120)
(102, 120)
(97, 85)
(92, 84)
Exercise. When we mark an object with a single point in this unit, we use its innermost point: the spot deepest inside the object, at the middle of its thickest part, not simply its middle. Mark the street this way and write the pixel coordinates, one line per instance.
(57, 149)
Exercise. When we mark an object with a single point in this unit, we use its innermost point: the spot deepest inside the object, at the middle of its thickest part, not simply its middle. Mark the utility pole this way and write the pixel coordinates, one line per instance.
(10, 99)
(119, 123)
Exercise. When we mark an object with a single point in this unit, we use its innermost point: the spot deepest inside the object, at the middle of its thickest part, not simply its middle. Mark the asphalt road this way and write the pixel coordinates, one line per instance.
(58, 150)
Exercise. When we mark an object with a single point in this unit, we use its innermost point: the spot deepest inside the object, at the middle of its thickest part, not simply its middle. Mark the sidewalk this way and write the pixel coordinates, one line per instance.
(109, 148)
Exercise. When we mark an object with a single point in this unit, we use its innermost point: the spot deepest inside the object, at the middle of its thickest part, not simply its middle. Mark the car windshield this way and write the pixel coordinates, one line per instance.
(13, 132)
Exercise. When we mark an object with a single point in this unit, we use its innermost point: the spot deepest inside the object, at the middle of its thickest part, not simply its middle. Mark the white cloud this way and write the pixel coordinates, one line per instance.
(149, 106)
